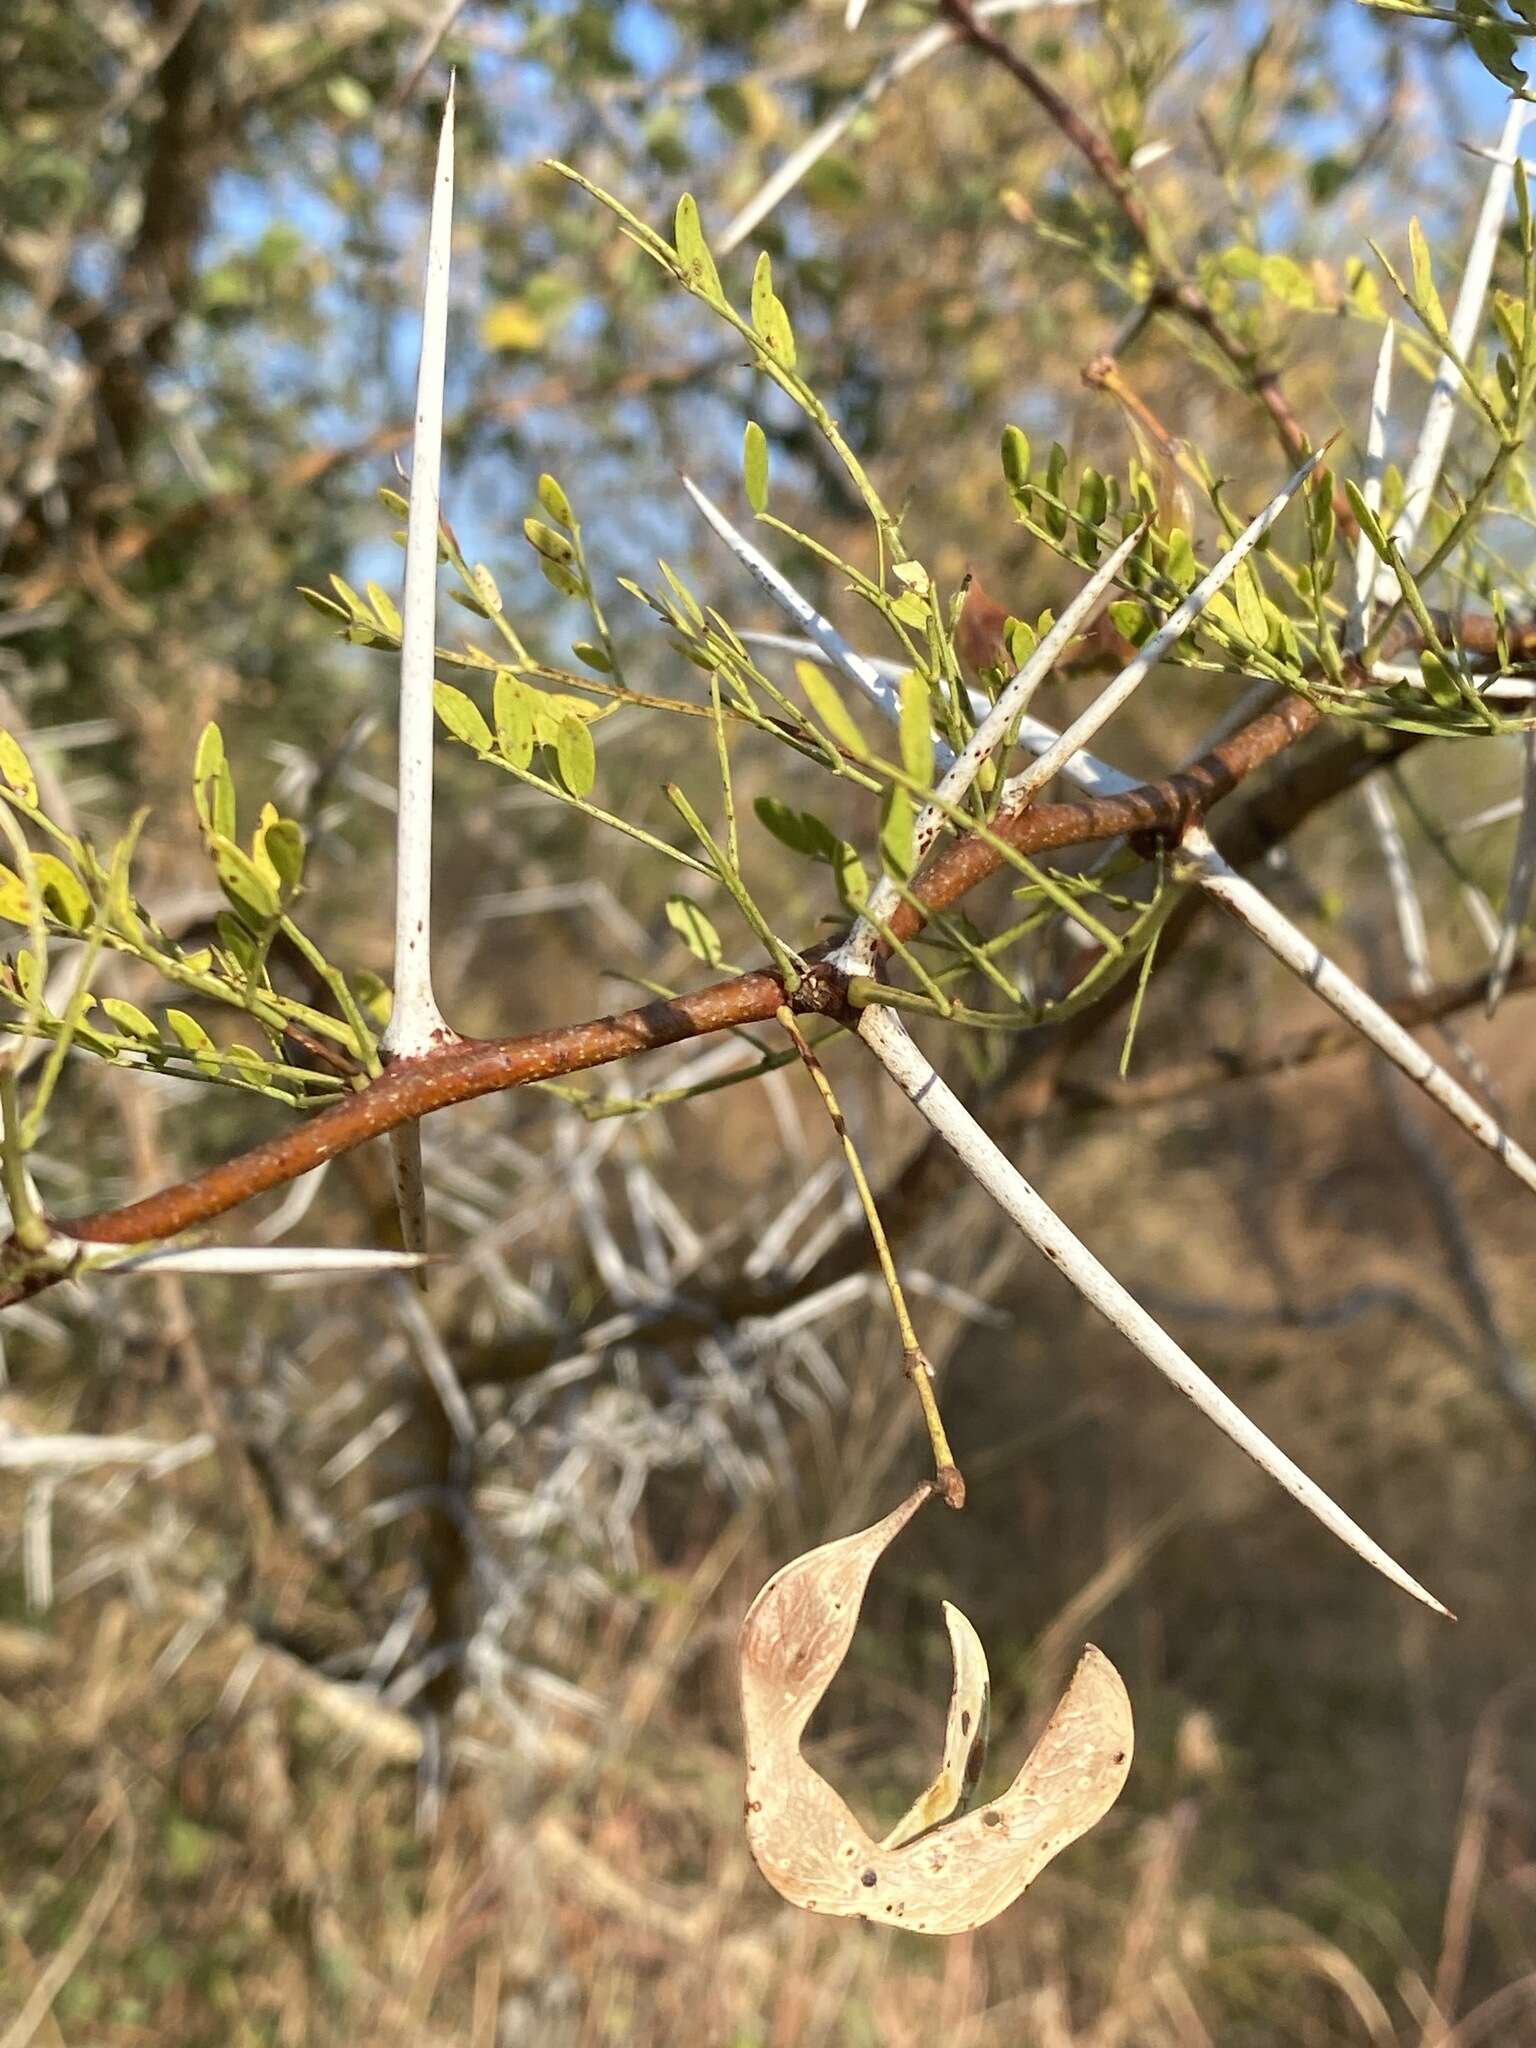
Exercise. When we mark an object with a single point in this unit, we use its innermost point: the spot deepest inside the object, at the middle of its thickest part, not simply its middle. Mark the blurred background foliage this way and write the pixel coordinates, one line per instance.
(218, 1677)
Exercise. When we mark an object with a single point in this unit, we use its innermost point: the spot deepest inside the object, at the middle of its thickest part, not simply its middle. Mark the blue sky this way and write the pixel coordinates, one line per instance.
(245, 210)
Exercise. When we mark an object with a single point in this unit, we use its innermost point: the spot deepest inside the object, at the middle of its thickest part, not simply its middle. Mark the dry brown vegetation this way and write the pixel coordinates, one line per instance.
(1328, 1836)
(313, 1733)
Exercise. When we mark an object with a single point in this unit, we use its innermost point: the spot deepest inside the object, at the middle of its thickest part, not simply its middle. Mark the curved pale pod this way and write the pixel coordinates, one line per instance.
(806, 1841)
(966, 1728)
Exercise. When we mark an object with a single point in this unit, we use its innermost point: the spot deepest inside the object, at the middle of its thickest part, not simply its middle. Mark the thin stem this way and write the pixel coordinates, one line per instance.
(946, 1473)
(27, 1218)
(346, 1002)
(1170, 289)
(64, 1038)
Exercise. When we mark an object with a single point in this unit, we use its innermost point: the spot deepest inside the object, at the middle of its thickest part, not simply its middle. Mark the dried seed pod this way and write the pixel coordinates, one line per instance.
(965, 1736)
(944, 1879)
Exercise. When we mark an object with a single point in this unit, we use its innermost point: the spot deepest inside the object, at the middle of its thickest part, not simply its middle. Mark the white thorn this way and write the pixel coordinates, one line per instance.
(1210, 872)
(242, 1260)
(1150, 153)
(1357, 628)
(1295, 950)
(416, 1025)
(880, 691)
(856, 954)
(1023, 789)
(887, 1038)
(1440, 412)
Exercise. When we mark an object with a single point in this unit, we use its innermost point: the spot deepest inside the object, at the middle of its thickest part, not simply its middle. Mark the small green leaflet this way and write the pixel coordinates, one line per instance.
(213, 789)
(836, 719)
(512, 703)
(385, 610)
(699, 272)
(1250, 604)
(15, 904)
(916, 729)
(130, 1018)
(800, 831)
(754, 466)
(1016, 458)
(1439, 681)
(554, 501)
(552, 546)
(1424, 281)
(195, 1039)
(769, 317)
(63, 891)
(575, 755)
(462, 716)
(284, 844)
(252, 895)
(695, 931)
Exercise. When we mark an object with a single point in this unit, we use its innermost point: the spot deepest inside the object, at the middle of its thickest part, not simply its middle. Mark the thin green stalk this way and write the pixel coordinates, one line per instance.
(788, 963)
(58, 1052)
(601, 816)
(27, 1219)
(722, 755)
(919, 1371)
(367, 1047)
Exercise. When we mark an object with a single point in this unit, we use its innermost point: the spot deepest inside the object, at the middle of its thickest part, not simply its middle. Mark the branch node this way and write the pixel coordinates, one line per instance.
(823, 992)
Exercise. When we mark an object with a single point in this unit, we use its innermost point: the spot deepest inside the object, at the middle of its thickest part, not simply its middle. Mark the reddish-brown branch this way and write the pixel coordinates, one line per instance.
(1164, 807)
(416, 1088)
(1094, 148)
(486, 1066)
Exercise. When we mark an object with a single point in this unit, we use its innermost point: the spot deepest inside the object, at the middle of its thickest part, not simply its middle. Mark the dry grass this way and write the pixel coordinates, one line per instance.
(239, 1845)
(1329, 1838)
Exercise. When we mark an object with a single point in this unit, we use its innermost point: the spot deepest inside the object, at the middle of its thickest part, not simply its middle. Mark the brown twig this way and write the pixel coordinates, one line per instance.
(463, 1072)
(460, 1073)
